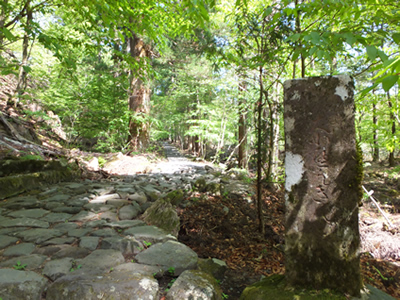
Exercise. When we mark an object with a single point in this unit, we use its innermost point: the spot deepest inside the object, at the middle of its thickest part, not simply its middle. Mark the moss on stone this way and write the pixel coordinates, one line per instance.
(163, 215)
(274, 287)
(174, 197)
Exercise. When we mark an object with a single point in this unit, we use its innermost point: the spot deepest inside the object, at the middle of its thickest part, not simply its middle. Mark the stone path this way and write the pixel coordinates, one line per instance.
(86, 240)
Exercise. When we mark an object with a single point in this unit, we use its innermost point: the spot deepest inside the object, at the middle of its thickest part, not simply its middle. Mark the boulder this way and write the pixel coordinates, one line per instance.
(115, 285)
(163, 215)
(174, 197)
(195, 284)
(213, 266)
(16, 284)
(170, 254)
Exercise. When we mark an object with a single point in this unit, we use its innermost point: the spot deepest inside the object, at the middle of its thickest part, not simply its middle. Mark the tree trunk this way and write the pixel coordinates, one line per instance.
(139, 98)
(393, 121)
(22, 77)
(242, 136)
(375, 155)
(3, 14)
(259, 155)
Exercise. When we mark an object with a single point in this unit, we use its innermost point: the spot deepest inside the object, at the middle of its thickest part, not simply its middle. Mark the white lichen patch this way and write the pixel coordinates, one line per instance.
(295, 96)
(294, 168)
(318, 83)
(146, 284)
(289, 124)
(342, 88)
(287, 84)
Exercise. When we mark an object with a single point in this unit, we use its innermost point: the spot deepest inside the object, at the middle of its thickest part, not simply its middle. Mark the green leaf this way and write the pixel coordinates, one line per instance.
(382, 55)
(27, 69)
(372, 52)
(389, 81)
(7, 33)
(396, 38)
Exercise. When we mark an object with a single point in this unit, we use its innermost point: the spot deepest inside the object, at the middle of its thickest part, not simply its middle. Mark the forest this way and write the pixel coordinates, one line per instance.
(207, 75)
(110, 76)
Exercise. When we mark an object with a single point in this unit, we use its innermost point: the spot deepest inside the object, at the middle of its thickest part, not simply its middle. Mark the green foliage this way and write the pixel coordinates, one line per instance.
(171, 271)
(102, 161)
(19, 266)
(147, 244)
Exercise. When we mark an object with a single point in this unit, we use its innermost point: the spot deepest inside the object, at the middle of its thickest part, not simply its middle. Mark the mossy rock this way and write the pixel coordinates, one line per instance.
(274, 287)
(200, 184)
(174, 197)
(163, 215)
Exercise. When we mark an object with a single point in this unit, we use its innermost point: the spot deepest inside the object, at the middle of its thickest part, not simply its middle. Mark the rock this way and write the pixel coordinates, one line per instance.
(83, 216)
(39, 235)
(57, 268)
(149, 234)
(115, 285)
(59, 241)
(79, 232)
(24, 222)
(72, 252)
(127, 245)
(195, 284)
(20, 249)
(29, 213)
(102, 259)
(139, 198)
(170, 254)
(129, 212)
(213, 266)
(89, 242)
(106, 232)
(32, 261)
(125, 224)
(6, 240)
(163, 215)
(200, 184)
(56, 217)
(141, 269)
(174, 197)
(21, 285)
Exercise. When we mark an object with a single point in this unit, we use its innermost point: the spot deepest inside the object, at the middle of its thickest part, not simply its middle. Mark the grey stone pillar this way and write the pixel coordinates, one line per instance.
(323, 178)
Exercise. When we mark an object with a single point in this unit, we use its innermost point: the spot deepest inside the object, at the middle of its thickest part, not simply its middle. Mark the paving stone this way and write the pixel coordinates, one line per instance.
(67, 209)
(104, 198)
(24, 222)
(102, 259)
(71, 251)
(65, 227)
(19, 250)
(129, 212)
(12, 231)
(53, 205)
(150, 234)
(22, 204)
(48, 250)
(39, 235)
(16, 284)
(126, 224)
(140, 198)
(106, 232)
(127, 245)
(110, 216)
(6, 241)
(29, 213)
(32, 262)
(117, 202)
(99, 207)
(89, 242)
(96, 223)
(60, 241)
(78, 232)
(115, 285)
(169, 254)
(139, 268)
(58, 198)
(77, 202)
(56, 217)
(84, 216)
(57, 268)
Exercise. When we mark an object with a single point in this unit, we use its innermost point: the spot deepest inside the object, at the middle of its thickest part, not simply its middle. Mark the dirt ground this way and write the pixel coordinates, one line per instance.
(234, 237)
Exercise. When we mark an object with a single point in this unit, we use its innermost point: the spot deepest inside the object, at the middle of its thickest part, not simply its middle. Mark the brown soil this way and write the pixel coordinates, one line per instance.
(234, 237)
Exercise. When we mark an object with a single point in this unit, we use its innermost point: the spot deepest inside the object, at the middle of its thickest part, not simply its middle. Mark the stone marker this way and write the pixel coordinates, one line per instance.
(323, 177)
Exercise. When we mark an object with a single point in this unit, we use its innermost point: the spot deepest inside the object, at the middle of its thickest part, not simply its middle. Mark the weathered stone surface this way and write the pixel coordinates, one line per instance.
(139, 268)
(126, 224)
(59, 241)
(57, 268)
(106, 232)
(67, 209)
(65, 227)
(89, 242)
(56, 217)
(323, 177)
(20, 249)
(163, 215)
(32, 261)
(127, 245)
(73, 252)
(39, 235)
(150, 234)
(115, 285)
(140, 198)
(83, 216)
(195, 284)
(169, 254)
(21, 285)
(128, 212)
(102, 259)
(6, 240)
(213, 266)
(24, 222)
(29, 213)
(78, 232)
(174, 197)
